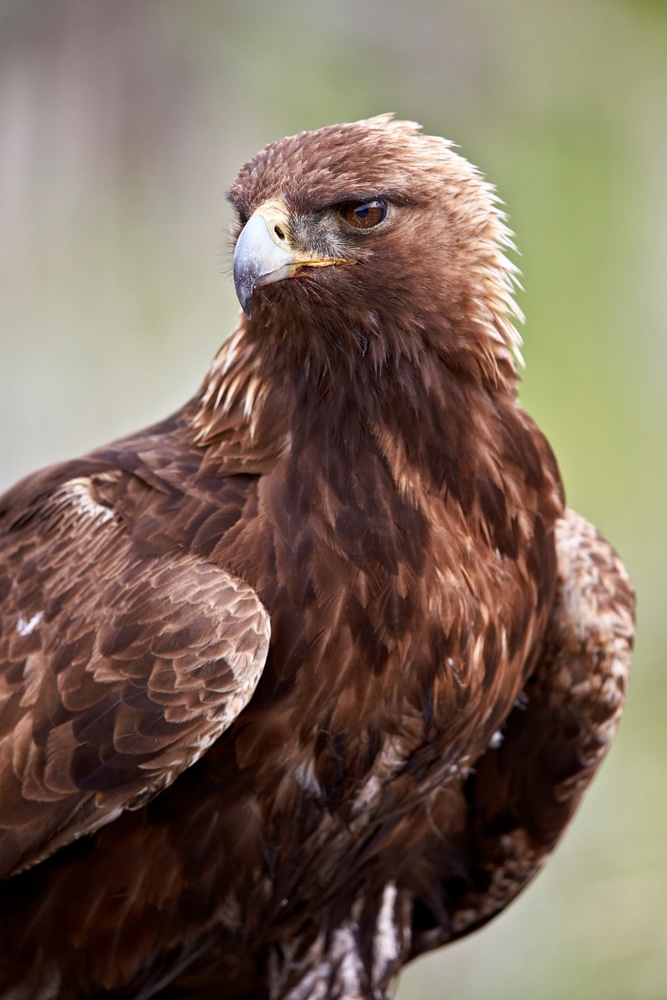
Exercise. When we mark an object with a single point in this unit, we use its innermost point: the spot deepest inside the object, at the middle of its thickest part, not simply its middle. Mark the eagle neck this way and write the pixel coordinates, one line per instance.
(407, 408)
(425, 423)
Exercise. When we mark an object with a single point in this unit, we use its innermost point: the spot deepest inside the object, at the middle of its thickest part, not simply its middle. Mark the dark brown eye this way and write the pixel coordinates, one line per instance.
(364, 214)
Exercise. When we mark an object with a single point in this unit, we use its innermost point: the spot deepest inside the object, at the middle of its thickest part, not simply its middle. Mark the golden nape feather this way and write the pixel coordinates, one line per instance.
(310, 677)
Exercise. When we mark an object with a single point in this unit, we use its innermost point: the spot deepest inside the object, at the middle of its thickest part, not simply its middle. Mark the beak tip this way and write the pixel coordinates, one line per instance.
(244, 286)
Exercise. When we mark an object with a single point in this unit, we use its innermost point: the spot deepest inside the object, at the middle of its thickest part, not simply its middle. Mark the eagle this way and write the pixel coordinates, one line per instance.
(309, 678)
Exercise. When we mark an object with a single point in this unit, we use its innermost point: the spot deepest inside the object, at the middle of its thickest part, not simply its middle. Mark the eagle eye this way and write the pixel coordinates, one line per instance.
(364, 214)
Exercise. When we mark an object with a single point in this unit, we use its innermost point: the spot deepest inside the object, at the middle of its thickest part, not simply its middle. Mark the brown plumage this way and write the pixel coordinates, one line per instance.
(356, 490)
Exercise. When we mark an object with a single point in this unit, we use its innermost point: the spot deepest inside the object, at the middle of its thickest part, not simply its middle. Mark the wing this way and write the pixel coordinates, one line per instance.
(523, 793)
(120, 663)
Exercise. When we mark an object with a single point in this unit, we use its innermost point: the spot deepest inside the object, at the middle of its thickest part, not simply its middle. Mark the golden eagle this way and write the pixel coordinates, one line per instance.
(310, 677)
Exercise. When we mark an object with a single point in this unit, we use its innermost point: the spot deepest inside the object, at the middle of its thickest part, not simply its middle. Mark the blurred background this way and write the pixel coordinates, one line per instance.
(121, 125)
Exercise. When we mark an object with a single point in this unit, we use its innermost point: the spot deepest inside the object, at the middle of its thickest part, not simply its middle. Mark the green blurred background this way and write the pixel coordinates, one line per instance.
(122, 123)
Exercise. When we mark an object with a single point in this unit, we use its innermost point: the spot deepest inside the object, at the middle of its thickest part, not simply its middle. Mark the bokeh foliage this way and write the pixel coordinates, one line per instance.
(120, 126)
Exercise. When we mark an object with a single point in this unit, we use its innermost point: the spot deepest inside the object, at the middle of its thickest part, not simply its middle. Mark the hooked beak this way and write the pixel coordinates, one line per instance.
(264, 253)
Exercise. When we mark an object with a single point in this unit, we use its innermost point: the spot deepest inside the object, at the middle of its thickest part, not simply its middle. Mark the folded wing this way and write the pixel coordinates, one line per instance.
(524, 790)
(118, 668)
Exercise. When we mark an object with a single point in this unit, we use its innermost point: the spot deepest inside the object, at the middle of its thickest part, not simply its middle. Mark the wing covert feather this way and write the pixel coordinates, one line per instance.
(117, 669)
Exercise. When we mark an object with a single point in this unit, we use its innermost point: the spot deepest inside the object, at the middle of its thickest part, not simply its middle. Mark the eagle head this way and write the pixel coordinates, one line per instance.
(381, 242)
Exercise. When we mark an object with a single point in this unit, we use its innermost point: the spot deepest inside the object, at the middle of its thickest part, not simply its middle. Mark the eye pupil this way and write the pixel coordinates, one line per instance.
(364, 214)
